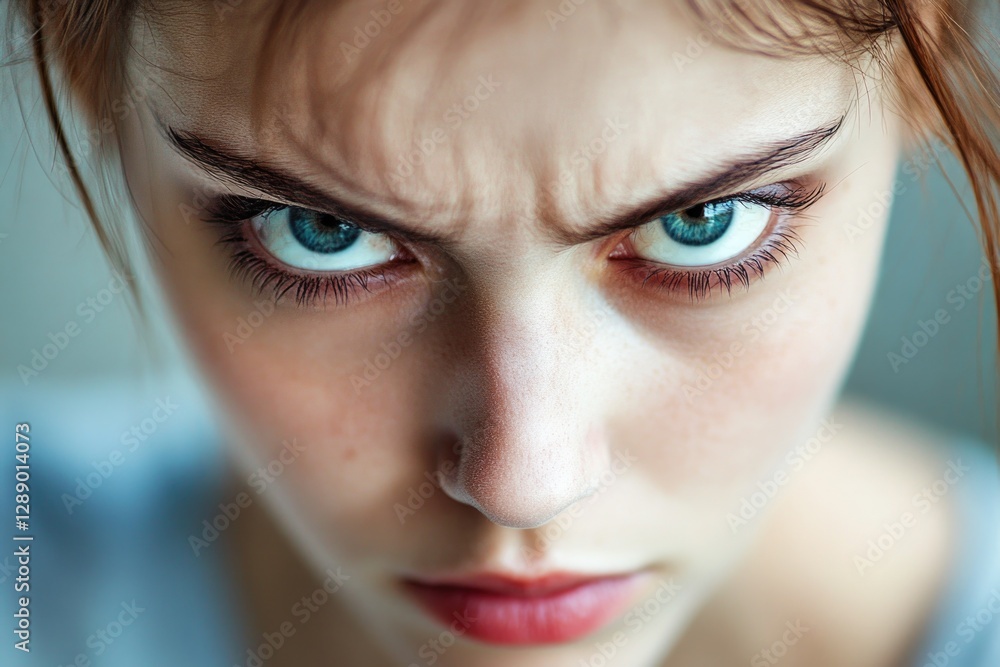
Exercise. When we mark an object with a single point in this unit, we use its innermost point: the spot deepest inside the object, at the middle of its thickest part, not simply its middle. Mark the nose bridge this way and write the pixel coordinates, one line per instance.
(530, 440)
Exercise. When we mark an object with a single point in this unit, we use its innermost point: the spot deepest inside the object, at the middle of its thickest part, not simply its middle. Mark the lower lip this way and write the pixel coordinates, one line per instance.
(501, 618)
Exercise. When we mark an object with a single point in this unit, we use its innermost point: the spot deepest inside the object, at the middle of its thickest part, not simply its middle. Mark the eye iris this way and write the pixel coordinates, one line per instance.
(321, 233)
(700, 225)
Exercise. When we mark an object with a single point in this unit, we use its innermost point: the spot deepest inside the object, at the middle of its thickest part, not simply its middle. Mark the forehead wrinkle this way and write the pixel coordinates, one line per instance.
(364, 137)
(335, 141)
(453, 190)
(362, 131)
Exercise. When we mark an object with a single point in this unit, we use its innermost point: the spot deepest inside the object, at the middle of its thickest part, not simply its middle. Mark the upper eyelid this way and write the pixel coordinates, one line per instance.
(757, 195)
(269, 205)
(793, 200)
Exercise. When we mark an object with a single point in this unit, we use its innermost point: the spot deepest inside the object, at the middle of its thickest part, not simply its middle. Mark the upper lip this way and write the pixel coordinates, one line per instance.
(514, 585)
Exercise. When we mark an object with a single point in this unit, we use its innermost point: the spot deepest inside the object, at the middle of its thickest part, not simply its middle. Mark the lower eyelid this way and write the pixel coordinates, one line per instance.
(702, 283)
(251, 264)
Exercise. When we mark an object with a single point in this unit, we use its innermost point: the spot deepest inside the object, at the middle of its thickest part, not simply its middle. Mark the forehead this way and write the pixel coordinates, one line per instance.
(451, 102)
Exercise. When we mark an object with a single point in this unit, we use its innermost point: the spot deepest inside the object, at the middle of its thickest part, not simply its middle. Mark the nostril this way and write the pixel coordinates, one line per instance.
(519, 484)
(517, 510)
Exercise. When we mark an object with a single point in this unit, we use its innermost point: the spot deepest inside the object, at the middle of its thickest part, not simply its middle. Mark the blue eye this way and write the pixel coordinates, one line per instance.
(703, 235)
(321, 233)
(315, 241)
(699, 225)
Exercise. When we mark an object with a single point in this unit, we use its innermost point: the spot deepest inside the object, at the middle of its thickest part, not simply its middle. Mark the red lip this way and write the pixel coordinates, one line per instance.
(507, 610)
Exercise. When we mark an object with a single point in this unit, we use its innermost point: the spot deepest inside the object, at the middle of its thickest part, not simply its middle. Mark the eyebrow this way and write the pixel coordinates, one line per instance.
(229, 165)
(727, 181)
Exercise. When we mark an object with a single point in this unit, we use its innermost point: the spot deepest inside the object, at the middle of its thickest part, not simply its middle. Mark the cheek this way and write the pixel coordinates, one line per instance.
(356, 451)
(716, 421)
(287, 382)
(717, 397)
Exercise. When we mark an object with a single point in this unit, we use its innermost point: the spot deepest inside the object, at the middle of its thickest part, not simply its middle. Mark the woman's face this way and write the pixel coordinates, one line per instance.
(545, 289)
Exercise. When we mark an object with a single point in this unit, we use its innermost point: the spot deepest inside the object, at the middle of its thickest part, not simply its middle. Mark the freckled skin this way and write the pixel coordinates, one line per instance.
(522, 385)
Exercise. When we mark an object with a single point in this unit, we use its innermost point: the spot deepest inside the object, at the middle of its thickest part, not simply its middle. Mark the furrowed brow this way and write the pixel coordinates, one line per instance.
(229, 165)
(727, 181)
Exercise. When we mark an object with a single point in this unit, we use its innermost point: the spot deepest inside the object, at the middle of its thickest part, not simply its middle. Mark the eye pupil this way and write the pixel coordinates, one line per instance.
(701, 224)
(321, 233)
(695, 212)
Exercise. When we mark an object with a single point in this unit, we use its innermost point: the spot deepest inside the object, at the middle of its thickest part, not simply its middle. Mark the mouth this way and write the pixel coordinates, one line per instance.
(505, 610)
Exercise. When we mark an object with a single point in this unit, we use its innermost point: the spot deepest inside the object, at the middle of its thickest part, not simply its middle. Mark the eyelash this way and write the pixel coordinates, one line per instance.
(231, 212)
(782, 244)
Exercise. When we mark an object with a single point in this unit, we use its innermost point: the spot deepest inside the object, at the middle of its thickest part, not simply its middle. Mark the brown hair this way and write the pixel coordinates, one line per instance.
(945, 77)
(86, 42)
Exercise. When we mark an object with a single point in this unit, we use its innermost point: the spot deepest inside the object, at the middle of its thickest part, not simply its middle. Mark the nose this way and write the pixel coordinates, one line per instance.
(530, 441)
